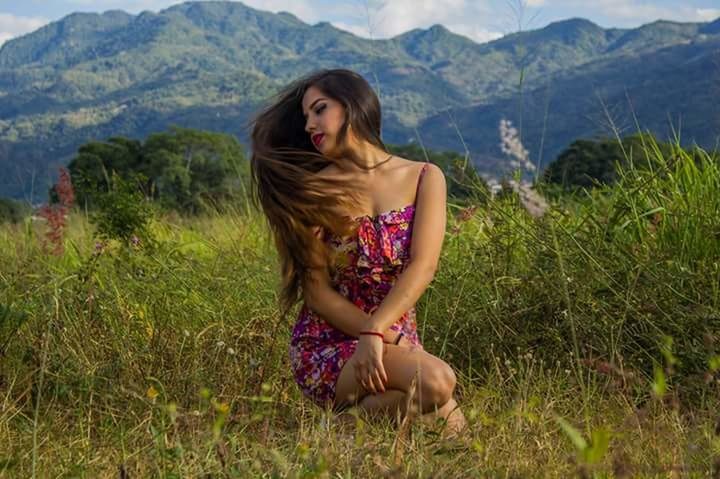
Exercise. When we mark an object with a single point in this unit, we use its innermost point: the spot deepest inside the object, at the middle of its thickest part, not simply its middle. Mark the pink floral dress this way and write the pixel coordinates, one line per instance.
(365, 268)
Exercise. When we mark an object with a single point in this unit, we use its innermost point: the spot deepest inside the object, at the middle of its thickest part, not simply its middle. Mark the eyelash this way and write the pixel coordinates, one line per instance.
(319, 110)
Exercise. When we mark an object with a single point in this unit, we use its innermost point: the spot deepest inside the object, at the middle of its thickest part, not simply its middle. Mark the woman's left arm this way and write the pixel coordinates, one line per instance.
(426, 244)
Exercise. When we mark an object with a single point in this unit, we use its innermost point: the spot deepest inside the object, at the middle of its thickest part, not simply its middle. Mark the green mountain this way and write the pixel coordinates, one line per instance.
(671, 92)
(210, 65)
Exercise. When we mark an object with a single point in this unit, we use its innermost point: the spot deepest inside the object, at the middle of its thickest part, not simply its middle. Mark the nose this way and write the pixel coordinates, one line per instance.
(309, 126)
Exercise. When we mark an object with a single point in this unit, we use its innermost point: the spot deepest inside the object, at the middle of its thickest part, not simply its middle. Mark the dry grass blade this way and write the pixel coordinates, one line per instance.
(403, 431)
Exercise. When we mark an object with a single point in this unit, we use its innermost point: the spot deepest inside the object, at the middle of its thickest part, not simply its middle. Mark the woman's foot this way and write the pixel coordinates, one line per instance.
(449, 419)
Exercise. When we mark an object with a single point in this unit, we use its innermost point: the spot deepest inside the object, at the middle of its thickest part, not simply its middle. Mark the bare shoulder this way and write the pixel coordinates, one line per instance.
(432, 186)
(432, 173)
(412, 167)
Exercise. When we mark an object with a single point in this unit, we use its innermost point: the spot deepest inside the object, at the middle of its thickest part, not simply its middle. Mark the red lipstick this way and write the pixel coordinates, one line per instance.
(318, 138)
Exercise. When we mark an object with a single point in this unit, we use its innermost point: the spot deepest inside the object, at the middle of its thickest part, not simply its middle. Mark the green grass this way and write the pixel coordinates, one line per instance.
(170, 360)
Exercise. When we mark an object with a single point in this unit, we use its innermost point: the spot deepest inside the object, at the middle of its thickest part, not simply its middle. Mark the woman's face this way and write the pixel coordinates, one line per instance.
(323, 119)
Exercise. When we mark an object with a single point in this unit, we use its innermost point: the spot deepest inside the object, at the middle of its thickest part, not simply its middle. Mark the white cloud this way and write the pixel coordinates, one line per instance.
(648, 13)
(708, 14)
(12, 26)
(388, 18)
(359, 30)
(638, 12)
(300, 8)
(397, 16)
(475, 32)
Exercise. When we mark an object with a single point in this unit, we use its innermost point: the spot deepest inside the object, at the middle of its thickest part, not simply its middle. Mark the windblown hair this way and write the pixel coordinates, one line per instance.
(284, 166)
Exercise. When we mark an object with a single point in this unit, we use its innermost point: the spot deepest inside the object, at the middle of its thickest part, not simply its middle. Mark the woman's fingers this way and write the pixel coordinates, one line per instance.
(361, 376)
(367, 381)
(381, 373)
(379, 383)
(371, 381)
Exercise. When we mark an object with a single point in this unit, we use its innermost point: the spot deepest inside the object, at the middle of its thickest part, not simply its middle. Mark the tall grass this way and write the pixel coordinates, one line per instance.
(171, 361)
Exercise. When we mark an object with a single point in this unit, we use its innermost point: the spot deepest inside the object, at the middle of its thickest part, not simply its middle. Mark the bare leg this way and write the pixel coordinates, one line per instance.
(393, 401)
(435, 379)
(387, 403)
(429, 380)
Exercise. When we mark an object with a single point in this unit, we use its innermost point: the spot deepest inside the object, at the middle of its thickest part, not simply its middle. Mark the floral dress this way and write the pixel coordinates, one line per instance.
(365, 268)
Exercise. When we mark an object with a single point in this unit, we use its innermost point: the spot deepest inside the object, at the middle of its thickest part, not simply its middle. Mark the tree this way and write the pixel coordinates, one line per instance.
(185, 169)
(12, 211)
(196, 167)
(95, 163)
(586, 163)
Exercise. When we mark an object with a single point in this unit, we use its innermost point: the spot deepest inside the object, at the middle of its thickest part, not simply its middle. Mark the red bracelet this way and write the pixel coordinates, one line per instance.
(375, 333)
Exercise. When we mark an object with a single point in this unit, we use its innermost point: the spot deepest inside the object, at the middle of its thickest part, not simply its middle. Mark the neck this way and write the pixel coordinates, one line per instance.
(366, 158)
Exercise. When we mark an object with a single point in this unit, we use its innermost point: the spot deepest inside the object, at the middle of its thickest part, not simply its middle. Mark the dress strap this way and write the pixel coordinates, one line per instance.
(422, 173)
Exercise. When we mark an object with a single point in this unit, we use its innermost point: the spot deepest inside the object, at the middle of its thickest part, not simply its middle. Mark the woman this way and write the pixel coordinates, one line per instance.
(359, 233)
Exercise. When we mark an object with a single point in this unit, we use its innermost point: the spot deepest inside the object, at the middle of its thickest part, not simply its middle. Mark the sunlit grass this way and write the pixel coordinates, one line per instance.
(172, 361)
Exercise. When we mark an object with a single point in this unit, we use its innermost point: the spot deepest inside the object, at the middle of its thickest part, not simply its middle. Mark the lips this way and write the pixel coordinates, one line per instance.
(318, 138)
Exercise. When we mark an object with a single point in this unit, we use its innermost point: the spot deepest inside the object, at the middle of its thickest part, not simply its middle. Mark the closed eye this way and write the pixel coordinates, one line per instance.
(317, 112)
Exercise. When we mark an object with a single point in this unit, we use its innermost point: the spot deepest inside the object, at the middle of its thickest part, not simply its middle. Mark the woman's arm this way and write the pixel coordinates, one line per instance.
(335, 308)
(428, 235)
(342, 314)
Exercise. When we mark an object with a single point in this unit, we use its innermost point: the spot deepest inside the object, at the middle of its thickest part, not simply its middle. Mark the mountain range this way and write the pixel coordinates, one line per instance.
(211, 65)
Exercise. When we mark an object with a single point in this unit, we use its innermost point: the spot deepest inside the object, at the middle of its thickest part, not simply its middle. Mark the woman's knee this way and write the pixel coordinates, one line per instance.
(435, 378)
(437, 384)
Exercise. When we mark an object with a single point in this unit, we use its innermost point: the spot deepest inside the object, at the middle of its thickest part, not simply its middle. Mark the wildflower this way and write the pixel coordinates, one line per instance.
(99, 247)
(466, 213)
(231, 351)
(221, 407)
(56, 214)
(531, 200)
(604, 367)
(64, 188)
(135, 240)
(152, 393)
(220, 344)
(511, 145)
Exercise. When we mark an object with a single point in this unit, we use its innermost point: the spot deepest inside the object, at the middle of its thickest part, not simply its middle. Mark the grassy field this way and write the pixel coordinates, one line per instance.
(586, 344)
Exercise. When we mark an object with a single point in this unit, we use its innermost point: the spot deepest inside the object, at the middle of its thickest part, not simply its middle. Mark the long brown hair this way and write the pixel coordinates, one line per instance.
(284, 166)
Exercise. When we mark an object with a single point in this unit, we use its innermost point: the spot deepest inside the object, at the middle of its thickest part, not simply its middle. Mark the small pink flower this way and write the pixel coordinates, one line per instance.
(99, 247)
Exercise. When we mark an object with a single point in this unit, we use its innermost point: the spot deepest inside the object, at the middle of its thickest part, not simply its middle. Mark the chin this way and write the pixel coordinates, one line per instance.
(324, 149)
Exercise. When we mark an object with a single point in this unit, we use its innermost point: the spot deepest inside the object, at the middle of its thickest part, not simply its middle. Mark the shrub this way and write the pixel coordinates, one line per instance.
(122, 212)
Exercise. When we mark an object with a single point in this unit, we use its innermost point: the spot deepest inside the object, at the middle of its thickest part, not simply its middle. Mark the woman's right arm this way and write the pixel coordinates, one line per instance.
(333, 307)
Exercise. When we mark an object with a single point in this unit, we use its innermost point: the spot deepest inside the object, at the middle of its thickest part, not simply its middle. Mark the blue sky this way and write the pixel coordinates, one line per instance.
(480, 20)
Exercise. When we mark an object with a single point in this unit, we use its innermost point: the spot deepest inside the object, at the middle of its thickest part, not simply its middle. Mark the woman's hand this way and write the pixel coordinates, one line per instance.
(369, 369)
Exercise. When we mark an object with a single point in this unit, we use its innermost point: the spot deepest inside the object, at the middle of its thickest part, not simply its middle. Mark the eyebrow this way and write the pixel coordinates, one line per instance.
(313, 104)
